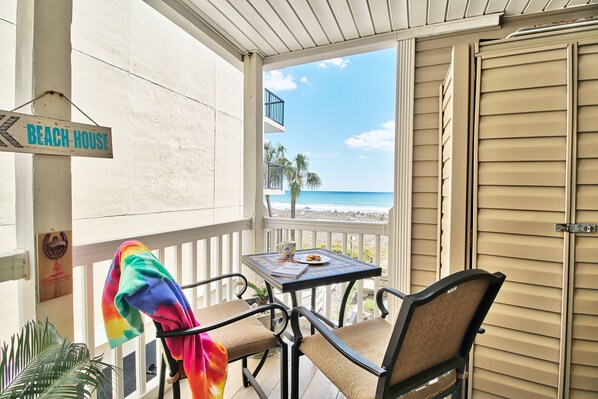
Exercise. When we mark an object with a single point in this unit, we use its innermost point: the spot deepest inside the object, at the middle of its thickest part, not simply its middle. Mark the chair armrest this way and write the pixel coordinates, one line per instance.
(224, 276)
(380, 302)
(335, 341)
(230, 320)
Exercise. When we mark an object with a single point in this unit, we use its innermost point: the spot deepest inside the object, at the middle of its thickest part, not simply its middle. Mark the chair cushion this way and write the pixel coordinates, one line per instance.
(368, 338)
(242, 338)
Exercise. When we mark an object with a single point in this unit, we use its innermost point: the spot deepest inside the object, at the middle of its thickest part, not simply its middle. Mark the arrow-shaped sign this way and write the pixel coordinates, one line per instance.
(39, 135)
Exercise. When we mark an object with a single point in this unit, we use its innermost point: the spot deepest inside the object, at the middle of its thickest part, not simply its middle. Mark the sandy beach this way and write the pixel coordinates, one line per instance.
(333, 215)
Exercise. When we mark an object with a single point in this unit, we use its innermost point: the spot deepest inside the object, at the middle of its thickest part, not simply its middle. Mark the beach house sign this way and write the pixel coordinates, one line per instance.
(39, 135)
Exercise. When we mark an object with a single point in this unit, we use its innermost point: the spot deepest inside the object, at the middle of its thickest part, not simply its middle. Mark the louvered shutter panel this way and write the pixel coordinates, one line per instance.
(520, 182)
(452, 171)
(444, 173)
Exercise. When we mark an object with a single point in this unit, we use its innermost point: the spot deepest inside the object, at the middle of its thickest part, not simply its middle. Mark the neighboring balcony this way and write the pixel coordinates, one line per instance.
(273, 177)
(273, 113)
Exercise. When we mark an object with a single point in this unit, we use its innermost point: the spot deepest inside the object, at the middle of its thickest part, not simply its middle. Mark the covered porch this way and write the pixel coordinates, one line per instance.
(426, 238)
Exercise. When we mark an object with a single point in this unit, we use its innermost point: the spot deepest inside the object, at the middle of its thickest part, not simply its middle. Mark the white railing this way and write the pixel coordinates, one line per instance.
(13, 265)
(190, 255)
(203, 252)
(366, 241)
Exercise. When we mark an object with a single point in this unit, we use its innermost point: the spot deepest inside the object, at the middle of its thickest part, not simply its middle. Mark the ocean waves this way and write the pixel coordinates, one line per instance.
(332, 207)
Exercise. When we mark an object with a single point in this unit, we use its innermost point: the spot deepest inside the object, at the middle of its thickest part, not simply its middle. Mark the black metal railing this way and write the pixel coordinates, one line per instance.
(273, 176)
(273, 107)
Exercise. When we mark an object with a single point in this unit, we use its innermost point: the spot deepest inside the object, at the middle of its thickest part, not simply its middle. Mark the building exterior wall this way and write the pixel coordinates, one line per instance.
(8, 315)
(176, 113)
(432, 60)
(175, 109)
(8, 11)
(532, 117)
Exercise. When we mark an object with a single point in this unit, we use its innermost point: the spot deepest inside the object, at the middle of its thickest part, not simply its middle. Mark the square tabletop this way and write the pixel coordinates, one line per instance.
(339, 269)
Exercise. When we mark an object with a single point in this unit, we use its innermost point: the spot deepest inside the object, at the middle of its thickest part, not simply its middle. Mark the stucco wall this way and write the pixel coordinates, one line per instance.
(8, 314)
(176, 113)
(175, 109)
(7, 96)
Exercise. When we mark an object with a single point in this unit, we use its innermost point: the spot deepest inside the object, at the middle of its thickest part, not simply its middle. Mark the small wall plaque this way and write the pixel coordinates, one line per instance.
(54, 265)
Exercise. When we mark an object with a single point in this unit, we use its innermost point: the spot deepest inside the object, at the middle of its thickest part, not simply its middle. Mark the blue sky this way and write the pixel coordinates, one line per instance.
(340, 113)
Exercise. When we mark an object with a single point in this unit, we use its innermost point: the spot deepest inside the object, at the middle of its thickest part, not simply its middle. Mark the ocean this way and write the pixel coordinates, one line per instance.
(336, 200)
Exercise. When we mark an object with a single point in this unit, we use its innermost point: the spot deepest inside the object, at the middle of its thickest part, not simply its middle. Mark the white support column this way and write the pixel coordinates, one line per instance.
(400, 270)
(43, 182)
(253, 152)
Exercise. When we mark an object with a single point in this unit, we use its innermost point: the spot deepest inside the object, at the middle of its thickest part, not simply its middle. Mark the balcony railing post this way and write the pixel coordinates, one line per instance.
(350, 238)
(184, 263)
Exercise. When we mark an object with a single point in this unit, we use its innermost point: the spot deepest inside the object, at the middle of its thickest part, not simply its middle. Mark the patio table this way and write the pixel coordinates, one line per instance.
(340, 269)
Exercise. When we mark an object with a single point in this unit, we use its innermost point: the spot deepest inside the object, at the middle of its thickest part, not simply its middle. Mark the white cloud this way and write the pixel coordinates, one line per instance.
(380, 139)
(363, 157)
(278, 81)
(303, 79)
(321, 154)
(339, 62)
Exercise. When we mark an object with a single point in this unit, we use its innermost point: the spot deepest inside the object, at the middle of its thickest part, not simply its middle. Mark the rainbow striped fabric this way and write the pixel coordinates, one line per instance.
(136, 282)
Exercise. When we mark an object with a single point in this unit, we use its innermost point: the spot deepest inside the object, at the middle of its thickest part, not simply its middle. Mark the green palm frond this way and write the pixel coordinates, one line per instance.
(260, 294)
(274, 153)
(298, 176)
(313, 180)
(24, 348)
(39, 364)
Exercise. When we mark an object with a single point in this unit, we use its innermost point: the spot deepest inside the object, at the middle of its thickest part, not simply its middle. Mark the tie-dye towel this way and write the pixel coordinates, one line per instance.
(137, 281)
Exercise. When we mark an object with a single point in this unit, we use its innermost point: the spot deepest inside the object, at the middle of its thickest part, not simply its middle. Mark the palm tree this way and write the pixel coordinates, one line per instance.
(298, 176)
(39, 363)
(273, 154)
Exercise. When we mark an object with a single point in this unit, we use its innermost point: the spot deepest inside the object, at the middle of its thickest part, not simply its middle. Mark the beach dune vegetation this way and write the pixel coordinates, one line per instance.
(368, 252)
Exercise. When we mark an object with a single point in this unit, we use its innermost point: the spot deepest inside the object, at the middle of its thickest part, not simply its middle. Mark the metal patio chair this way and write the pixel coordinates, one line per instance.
(234, 325)
(424, 355)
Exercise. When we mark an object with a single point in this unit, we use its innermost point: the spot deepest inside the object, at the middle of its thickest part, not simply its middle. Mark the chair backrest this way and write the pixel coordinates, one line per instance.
(435, 329)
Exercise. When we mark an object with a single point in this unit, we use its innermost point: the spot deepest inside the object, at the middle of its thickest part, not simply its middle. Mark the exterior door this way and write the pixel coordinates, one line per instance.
(582, 359)
(535, 166)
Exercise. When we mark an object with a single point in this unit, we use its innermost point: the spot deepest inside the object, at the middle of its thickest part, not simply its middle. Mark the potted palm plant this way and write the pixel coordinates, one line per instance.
(260, 293)
(38, 363)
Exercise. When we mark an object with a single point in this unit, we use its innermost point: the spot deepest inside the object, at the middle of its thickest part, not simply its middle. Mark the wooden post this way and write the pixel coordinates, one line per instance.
(253, 152)
(399, 271)
(43, 182)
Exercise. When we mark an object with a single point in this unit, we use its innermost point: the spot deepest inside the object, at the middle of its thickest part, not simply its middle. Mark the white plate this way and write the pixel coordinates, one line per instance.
(323, 259)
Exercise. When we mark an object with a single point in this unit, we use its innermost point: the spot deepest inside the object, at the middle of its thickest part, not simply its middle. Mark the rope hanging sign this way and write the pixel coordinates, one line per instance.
(40, 135)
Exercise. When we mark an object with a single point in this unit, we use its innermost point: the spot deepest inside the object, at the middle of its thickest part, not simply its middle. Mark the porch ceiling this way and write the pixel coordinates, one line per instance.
(287, 32)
